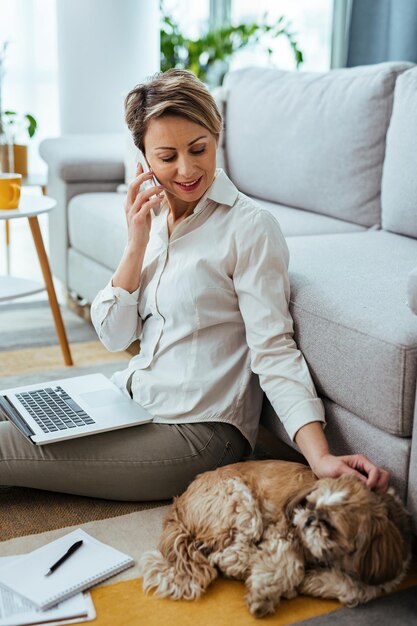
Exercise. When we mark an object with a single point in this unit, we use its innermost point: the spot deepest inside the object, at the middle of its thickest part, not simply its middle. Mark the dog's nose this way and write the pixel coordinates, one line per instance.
(310, 520)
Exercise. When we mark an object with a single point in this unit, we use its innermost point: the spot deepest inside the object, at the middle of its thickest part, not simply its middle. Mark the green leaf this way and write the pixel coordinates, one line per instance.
(14, 118)
(200, 54)
(33, 124)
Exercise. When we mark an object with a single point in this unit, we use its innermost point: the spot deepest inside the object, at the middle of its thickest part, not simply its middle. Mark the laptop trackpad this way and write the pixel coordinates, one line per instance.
(106, 397)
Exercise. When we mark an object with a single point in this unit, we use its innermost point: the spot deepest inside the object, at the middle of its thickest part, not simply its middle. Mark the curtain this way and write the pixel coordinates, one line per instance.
(382, 30)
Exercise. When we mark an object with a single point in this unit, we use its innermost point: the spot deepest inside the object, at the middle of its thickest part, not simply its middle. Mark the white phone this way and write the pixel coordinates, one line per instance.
(151, 183)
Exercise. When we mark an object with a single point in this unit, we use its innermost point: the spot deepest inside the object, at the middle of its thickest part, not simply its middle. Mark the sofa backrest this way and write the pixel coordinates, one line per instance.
(399, 179)
(315, 141)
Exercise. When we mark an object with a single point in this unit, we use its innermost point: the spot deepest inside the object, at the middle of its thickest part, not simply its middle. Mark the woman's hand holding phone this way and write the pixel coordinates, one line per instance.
(138, 204)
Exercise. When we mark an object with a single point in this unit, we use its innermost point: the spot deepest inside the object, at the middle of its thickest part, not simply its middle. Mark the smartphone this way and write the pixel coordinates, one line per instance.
(151, 183)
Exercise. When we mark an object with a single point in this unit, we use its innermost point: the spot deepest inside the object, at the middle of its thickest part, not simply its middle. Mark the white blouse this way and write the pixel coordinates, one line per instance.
(212, 316)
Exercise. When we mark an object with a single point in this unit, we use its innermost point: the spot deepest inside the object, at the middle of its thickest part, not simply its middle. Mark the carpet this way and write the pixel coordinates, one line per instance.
(30, 518)
(223, 604)
(122, 602)
(30, 324)
(30, 354)
(31, 511)
(30, 350)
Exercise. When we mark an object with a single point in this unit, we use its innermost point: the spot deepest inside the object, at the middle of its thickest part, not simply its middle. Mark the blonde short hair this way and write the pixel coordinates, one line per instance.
(175, 92)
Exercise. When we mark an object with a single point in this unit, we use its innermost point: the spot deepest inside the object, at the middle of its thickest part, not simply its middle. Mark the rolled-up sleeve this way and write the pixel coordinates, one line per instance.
(262, 286)
(114, 313)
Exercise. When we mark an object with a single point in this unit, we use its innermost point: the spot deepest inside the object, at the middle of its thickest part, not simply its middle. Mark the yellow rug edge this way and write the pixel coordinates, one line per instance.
(208, 610)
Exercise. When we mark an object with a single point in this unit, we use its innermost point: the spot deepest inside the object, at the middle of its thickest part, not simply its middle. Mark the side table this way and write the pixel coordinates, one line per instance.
(13, 287)
(32, 180)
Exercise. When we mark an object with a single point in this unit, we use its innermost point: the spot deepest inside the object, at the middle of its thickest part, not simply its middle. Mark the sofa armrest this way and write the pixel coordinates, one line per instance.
(77, 164)
(412, 290)
(82, 158)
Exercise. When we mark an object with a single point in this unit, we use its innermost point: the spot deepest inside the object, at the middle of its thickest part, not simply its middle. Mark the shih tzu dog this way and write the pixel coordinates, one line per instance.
(276, 526)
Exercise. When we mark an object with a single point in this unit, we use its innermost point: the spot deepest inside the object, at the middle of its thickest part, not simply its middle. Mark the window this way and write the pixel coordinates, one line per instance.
(30, 83)
(311, 22)
(192, 17)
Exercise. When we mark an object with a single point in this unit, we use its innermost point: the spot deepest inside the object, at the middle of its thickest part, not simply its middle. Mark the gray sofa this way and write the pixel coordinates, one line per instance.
(333, 157)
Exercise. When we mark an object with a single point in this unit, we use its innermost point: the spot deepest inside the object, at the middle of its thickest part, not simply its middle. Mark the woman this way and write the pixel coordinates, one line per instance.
(203, 284)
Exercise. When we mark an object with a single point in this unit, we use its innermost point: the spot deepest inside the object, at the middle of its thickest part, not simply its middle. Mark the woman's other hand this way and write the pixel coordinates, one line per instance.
(313, 444)
(333, 466)
(137, 208)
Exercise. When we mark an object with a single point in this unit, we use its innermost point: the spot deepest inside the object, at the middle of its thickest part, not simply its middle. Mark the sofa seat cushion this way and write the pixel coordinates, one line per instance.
(97, 227)
(86, 276)
(353, 325)
(299, 222)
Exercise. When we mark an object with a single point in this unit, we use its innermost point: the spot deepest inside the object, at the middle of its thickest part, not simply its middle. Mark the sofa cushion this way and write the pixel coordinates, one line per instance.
(399, 180)
(315, 141)
(412, 290)
(299, 222)
(97, 227)
(353, 325)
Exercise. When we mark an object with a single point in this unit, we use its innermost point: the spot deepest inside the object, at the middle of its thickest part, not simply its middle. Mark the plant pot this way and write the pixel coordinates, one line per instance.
(20, 156)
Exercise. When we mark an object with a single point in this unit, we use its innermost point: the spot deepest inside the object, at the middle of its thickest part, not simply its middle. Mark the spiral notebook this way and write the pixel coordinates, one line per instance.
(92, 563)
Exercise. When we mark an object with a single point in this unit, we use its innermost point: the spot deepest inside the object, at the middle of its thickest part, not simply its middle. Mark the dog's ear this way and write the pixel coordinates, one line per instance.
(299, 499)
(381, 552)
(397, 513)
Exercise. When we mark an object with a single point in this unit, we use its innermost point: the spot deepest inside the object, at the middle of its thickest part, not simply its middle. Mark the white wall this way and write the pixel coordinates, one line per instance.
(105, 47)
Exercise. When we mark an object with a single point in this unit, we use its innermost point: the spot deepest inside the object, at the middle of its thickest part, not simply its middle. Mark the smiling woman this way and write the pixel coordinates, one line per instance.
(185, 169)
(176, 125)
(204, 285)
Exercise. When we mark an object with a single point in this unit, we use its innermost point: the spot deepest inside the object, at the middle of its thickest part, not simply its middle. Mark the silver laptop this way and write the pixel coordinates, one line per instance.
(69, 408)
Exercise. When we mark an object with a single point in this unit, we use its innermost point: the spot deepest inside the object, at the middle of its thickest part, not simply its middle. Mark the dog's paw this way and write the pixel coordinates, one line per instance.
(156, 574)
(174, 580)
(290, 594)
(260, 607)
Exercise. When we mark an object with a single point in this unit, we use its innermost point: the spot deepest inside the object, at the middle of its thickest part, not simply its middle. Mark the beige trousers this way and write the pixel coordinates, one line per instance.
(147, 462)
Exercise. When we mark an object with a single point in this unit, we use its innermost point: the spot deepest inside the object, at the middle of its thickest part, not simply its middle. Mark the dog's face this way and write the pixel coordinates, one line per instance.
(341, 523)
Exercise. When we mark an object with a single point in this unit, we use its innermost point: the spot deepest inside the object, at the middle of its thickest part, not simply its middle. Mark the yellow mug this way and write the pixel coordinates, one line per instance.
(10, 190)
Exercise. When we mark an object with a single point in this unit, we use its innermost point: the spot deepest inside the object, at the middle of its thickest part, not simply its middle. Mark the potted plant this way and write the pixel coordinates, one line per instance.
(207, 56)
(16, 128)
(13, 126)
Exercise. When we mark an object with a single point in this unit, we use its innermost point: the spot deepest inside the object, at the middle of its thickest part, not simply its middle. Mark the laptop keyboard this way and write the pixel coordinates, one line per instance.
(54, 409)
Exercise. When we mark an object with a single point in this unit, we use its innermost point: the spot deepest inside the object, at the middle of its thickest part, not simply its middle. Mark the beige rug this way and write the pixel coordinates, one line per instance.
(120, 601)
(132, 533)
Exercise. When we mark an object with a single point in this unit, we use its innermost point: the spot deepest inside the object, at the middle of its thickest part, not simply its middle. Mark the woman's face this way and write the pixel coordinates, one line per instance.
(182, 155)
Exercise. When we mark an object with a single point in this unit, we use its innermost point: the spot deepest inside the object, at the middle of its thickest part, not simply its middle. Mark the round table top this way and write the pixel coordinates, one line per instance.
(29, 206)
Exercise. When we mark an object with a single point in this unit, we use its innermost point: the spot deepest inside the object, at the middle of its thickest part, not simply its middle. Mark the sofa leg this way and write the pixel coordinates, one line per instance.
(80, 306)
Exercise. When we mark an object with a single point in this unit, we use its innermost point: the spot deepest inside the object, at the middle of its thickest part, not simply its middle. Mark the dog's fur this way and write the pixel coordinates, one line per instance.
(282, 531)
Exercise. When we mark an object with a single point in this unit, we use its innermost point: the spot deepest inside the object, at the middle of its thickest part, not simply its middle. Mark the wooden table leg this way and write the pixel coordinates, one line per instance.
(7, 224)
(47, 276)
